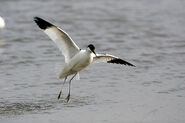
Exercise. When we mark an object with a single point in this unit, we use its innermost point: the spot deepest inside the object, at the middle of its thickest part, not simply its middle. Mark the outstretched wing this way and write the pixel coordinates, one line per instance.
(66, 45)
(110, 59)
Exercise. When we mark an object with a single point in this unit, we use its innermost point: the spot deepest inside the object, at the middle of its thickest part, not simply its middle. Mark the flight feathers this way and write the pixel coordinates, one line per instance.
(120, 61)
(42, 23)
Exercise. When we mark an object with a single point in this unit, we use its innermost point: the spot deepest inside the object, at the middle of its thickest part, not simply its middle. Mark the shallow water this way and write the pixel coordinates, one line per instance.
(149, 34)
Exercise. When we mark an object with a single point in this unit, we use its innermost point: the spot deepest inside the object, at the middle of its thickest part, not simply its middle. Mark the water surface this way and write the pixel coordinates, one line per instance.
(147, 33)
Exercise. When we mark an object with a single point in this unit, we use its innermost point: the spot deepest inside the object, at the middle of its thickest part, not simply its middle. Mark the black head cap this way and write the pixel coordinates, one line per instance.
(91, 47)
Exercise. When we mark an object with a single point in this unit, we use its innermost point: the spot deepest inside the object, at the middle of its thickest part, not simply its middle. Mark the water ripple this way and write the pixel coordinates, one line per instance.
(18, 108)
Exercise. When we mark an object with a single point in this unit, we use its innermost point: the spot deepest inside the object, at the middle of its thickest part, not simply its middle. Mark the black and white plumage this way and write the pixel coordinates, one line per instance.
(75, 58)
(110, 59)
(66, 45)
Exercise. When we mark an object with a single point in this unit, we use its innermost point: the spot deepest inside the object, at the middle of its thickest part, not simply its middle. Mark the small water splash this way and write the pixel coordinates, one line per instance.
(8, 108)
(18, 108)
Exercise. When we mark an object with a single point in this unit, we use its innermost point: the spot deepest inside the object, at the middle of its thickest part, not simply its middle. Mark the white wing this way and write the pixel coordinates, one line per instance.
(110, 59)
(61, 38)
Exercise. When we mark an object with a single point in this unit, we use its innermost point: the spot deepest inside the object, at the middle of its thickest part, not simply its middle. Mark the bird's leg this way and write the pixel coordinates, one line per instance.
(68, 96)
(61, 88)
(65, 80)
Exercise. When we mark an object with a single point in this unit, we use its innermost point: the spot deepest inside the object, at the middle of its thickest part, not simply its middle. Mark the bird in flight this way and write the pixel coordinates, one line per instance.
(76, 59)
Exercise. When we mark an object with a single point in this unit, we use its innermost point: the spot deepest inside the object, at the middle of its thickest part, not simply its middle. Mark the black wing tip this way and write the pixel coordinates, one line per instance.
(120, 61)
(42, 23)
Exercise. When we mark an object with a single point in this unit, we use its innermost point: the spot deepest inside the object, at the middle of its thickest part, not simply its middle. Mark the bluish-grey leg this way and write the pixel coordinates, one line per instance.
(61, 88)
(68, 96)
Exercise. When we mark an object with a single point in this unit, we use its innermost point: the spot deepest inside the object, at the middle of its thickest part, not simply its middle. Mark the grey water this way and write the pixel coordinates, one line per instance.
(147, 33)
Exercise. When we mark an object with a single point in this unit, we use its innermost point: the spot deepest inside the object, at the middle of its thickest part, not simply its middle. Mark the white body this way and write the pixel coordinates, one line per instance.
(2, 23)
(80, 61)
